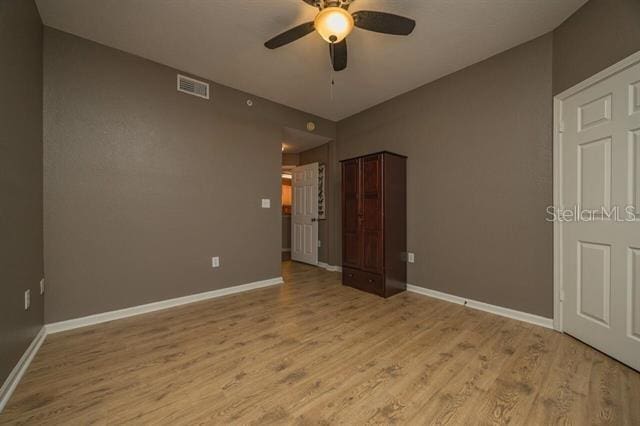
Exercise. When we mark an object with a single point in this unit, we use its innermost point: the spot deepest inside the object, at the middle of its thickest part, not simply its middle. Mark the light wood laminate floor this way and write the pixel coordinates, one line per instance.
(312, 351)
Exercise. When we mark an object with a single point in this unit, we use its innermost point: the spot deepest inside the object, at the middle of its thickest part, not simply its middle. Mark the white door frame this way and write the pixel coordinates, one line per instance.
(557, 174)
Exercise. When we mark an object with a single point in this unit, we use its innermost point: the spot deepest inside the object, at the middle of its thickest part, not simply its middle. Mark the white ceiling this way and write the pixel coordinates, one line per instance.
(222, 40)
(296, 141)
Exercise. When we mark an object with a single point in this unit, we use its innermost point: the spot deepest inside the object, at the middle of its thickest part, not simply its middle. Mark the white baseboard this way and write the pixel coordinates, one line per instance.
(71, 324)
(331, 268)
(18, 371)
(498, 310)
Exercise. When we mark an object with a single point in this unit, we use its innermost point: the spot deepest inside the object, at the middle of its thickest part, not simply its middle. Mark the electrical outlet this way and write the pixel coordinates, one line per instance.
(42, 286)
(266, 203)
(215, 262)
(319, 243)
(27, 299)
(411, 258)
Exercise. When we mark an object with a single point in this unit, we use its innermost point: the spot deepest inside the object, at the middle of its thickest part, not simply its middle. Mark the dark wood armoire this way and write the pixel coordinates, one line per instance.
(374, 223)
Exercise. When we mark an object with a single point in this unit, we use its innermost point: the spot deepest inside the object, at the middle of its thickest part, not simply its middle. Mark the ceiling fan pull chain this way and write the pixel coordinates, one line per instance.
(332, 84)
(332, 72)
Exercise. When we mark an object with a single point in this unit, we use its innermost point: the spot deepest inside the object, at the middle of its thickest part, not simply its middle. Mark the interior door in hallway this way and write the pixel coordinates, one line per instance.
(304, 214)
(599, 149)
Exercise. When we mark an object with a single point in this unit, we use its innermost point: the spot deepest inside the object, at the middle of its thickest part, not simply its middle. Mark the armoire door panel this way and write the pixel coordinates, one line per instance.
(371, 213)
(351, 223)
(351, 253)
(350, 177)
(372, 254)
(371, 174)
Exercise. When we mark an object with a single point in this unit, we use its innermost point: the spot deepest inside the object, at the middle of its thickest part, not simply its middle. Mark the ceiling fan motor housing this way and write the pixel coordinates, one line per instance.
(323, 4)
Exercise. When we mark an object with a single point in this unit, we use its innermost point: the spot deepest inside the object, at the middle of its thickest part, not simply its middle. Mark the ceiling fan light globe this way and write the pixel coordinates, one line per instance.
(334, 24)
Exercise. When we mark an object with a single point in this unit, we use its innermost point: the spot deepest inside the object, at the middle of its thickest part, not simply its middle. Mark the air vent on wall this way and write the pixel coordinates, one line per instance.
(193, 87)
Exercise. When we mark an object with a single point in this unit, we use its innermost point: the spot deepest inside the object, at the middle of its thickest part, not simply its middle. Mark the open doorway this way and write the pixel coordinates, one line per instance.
(304, 197)
(286, 212)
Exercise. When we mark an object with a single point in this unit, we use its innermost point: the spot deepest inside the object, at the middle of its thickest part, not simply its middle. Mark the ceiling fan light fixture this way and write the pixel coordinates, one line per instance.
(334, 24)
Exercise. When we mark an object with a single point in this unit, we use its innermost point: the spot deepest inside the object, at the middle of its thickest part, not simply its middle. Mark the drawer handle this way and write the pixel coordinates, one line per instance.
(350, 275)
(370, 280)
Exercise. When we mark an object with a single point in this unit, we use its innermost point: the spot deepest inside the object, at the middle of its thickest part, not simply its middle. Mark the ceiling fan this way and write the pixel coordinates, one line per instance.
(334, 23)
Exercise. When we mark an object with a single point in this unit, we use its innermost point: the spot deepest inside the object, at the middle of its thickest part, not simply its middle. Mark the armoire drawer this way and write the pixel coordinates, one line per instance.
(372, 283)
(350, 276)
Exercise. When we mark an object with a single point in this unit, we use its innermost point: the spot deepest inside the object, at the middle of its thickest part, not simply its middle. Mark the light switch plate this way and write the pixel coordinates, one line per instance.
(215, 262)
(266, 203)
(411, 258)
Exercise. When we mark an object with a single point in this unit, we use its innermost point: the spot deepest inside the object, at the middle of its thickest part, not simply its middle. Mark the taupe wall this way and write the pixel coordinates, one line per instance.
(21, 265)
(290, 159)
(598, 35)
(479, 148)
(145, 184)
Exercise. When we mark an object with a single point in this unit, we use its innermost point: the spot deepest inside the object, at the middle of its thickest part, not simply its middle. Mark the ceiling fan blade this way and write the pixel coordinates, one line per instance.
(381, 22)
(290, 35)
(338, 53)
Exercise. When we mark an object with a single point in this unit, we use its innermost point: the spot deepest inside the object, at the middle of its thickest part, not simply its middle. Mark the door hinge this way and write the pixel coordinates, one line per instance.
(562, 295)
(561, 126)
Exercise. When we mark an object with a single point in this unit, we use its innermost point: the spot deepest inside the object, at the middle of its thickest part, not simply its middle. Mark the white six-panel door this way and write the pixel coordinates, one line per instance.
(304, 214)
(598, 145)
